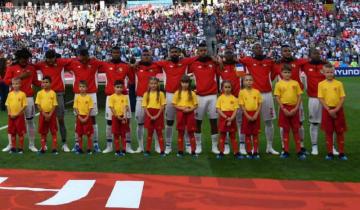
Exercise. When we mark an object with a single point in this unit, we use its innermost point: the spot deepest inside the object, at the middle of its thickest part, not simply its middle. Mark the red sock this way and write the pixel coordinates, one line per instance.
(192, 141)
(248, 144)
(123, 141)
(180, 141)
(149, 140)
(89, 141)
(161, 140)
(234, 143)
(80, 142)
(222, 142)
(117, 143)
(13, 141)
(286, 139)
(54, 141)
(341, 142)
(329, 142)
(297, 140)
(43, 142)
(256, 143)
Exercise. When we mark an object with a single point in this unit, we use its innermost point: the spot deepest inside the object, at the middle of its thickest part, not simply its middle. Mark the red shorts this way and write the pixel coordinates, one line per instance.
(250, 127)
(185, 121)
(17, 126)
(286, 122)
(329, 124)
(45, 126)
(84, 128)
(157, 124)
(118, 127)
(222, 123)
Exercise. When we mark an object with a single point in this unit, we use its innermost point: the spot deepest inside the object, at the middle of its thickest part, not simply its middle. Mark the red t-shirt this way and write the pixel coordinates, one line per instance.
(205, 77)
(174, 72)
(229, 73)
(54, 72)
(116, 71)
(142, 76)
(262, 72)
(87, 72)
(313, 77)
(296, 67)
(26, 83)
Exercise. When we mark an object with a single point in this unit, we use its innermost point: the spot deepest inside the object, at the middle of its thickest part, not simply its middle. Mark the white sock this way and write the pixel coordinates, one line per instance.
(186, 138)
(9, 139)
(302, 136)
(198, 139)
(140, 135)
(168, 135)
(96, 134)
(30, 126)
(214, 139)
(108, 133)
(314, 132)
(281, 136)
(241, 136)
(269, 132)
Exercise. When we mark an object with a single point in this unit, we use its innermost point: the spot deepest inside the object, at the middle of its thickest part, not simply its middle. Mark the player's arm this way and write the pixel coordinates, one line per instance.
(233, 115)
(8, 76)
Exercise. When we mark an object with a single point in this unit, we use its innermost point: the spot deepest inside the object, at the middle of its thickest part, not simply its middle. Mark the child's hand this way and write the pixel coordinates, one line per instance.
(228, 123)
(13, 116)
(332, 113)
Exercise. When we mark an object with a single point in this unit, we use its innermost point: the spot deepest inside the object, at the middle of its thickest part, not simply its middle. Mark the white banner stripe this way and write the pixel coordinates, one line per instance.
(126, 194)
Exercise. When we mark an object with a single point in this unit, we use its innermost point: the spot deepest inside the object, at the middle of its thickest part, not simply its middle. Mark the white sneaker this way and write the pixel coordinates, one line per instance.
(129, 149)
(108, 149)
(242, 149)
(227, 149)
(270, 150)
(335, 152)
(157, 146)
(139, 150)
(314, 150)
(65, 148)
(168, 150)
(32, 148)
(188, 149)
(198, 149)
(7, 148)
(46, 148)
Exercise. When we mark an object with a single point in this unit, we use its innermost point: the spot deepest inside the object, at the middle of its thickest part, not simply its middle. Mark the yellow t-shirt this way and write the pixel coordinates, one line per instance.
(153, 102)
(83, 104)
(46, 100)
(250, 99)
(288, 91)
(118, 103)
(227, 103)
(331, 92)
(184, 99)
(16, 101)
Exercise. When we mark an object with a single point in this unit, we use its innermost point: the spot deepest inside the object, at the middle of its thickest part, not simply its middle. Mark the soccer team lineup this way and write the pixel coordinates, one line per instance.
(235, 101)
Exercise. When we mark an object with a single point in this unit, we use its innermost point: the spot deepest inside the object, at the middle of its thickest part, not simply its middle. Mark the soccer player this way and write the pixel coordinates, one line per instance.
(53, 67)
(173, 69)
(185, 103)
(83, 105)
(314, 76)
(119, 106)
(205, 71)
(144, 70)
(27, 74)
(115, 70)
(86, 68)
(296, 70)
(46, 102)
(261, 68)
(332, 96)
(16, 103)
(154, 104)
(250, 100)
(288, 95)
(227, 106)
(231, 74)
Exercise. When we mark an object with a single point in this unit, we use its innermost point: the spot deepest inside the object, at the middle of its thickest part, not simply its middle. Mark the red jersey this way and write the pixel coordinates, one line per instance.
(116, 71)
(296, 67)
(26, 83)
(142, 76)
(174, 72)
(229, 73)
(87, 72)
(56, 73)
(205, 77)
(262, 72)
(313, 77)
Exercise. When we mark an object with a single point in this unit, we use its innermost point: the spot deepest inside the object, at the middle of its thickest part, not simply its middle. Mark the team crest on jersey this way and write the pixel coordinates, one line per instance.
(294, 87)
(311, 69)
(79, 67)
(111, 68)
(120, 69)
(231, 102)
(264, 65)
(171, 66)
(335, 88)
(293, 65)
(199, 67)
(141, 70)
(18, 71)
(179, 64)
(254, 64)
(210, 66)
(150, 70)
(89, 66)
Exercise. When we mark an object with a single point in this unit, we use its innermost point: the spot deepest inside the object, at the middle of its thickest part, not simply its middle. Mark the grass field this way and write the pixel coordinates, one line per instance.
(314, 168)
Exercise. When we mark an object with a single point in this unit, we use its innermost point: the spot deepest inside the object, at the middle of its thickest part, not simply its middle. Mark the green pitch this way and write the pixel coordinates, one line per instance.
(314, 168)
